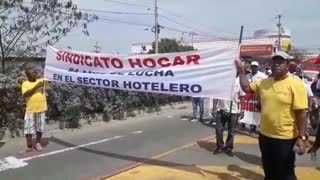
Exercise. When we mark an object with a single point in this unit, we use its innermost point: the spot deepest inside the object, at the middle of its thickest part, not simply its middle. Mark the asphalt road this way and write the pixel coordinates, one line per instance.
(103, 148)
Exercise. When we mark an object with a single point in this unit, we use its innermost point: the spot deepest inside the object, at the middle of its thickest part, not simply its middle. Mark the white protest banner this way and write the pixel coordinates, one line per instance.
(209, 73)
(252, 110)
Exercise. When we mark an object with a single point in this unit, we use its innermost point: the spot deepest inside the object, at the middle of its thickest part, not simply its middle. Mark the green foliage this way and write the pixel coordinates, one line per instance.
(170, 45)
(67, 104)
(28, 27)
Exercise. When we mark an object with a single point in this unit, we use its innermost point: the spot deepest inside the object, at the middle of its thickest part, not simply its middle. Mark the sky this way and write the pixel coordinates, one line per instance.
(207, 17)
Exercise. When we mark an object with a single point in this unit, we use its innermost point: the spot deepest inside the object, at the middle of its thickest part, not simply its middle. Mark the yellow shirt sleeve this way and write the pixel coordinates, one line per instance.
(25, 87)
(255, 87)
(300, 97)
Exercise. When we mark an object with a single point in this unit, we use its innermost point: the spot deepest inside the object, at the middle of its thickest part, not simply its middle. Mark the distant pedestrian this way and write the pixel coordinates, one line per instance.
(197, 102)
(229, 113)
(254, 76)
(283, 118)
(36, 105)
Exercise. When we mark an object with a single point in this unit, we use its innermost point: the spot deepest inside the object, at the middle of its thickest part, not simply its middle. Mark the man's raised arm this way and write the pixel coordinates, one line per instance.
(244, 83)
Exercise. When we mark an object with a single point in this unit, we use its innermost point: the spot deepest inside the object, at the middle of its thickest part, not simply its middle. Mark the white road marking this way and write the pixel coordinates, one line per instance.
(137, 132)
(11, 163)
(170, 116)
(184, 119)
(69, 149)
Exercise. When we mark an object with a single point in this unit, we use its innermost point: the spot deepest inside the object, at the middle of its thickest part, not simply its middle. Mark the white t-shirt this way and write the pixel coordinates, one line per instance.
(225, 104)
(308, 88)
(257, 77)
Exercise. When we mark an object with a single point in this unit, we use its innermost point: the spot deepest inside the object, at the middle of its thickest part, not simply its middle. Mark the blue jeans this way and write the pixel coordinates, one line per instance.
(197, 101)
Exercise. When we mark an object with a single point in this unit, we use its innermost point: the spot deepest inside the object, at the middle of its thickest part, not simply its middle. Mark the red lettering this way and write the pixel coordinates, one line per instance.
(164, 62)
(76, 59)
(106, 61)
(117, 63)
(69, 58)
(81, 60)
(178, 61)
(149, 62)
(59, 55)
(96, 62)
(135, 63)
(87, 61)
(193, 59)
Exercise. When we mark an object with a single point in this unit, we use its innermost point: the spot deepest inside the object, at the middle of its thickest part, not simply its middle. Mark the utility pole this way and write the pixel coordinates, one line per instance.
(97, 47)
(192, 34)
(279, 31)
(156, 25)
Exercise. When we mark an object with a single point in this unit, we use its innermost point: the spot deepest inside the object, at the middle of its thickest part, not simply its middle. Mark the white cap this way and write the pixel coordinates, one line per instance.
(254, 63)
(281, 54)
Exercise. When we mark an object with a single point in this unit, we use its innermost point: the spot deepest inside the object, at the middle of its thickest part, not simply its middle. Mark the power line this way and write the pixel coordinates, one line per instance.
(124, 3)
(124, 21)
(179, 23)
(186, 19)
(114, 12)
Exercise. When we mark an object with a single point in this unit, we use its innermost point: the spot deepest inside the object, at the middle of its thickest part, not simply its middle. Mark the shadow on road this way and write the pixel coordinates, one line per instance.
(245, 173)
(209, 146)
(178, 166)
(1, 144)
(249, 158)
(183, 167)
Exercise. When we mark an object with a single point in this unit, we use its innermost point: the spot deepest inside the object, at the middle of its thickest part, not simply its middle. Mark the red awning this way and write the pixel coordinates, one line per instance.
(314, 60)
(312, 64)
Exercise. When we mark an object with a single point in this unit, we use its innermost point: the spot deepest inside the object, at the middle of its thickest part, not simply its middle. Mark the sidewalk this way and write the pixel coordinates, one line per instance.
(198, 162)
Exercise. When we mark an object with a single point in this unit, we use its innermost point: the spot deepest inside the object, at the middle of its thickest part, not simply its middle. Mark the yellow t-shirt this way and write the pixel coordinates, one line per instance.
(36, 102)
(279, 100)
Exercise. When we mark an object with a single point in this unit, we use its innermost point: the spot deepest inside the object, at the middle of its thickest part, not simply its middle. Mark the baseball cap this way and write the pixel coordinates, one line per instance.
(254, 63)
(281, 54)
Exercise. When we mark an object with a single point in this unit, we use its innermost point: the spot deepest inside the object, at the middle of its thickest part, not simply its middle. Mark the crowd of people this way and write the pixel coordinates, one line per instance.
(287, 102)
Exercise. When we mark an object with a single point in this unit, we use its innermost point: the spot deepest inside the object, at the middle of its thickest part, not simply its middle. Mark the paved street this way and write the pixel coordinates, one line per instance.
(170, 147)
(106, 147)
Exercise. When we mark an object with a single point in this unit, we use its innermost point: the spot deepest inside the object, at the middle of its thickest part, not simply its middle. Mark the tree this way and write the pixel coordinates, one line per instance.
(298, 54)
(26, 28)
(170, 45)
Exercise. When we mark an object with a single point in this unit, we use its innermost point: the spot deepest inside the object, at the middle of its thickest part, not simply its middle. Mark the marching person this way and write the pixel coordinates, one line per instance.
(283, 117)
(197, 102)
(254, 76)
(36, 105)
(316, 144)
(229, 112)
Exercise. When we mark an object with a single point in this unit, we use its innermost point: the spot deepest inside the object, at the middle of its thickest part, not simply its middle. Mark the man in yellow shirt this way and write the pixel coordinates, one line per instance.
(36, 106)
(283, 118)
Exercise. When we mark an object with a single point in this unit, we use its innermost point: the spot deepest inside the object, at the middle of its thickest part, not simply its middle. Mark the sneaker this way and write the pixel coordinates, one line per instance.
(39, 147)
(26, 150)
(217, 151)
(194, 120)
(229, 153)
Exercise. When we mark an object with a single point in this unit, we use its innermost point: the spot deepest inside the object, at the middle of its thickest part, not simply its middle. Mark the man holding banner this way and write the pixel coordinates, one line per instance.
(249, 117)
(283, 118)
(36, 106)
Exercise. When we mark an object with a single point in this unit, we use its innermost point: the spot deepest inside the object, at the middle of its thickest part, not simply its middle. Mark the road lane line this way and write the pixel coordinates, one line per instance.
(137, 164)
(11, 162)
(69, 149)
(137, 132)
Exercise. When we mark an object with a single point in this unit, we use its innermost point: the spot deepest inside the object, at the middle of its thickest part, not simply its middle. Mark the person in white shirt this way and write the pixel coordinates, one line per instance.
(229, 112)
(253, 76)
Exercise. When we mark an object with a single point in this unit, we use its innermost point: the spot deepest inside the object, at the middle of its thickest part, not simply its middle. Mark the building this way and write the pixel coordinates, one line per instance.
(262, 43)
